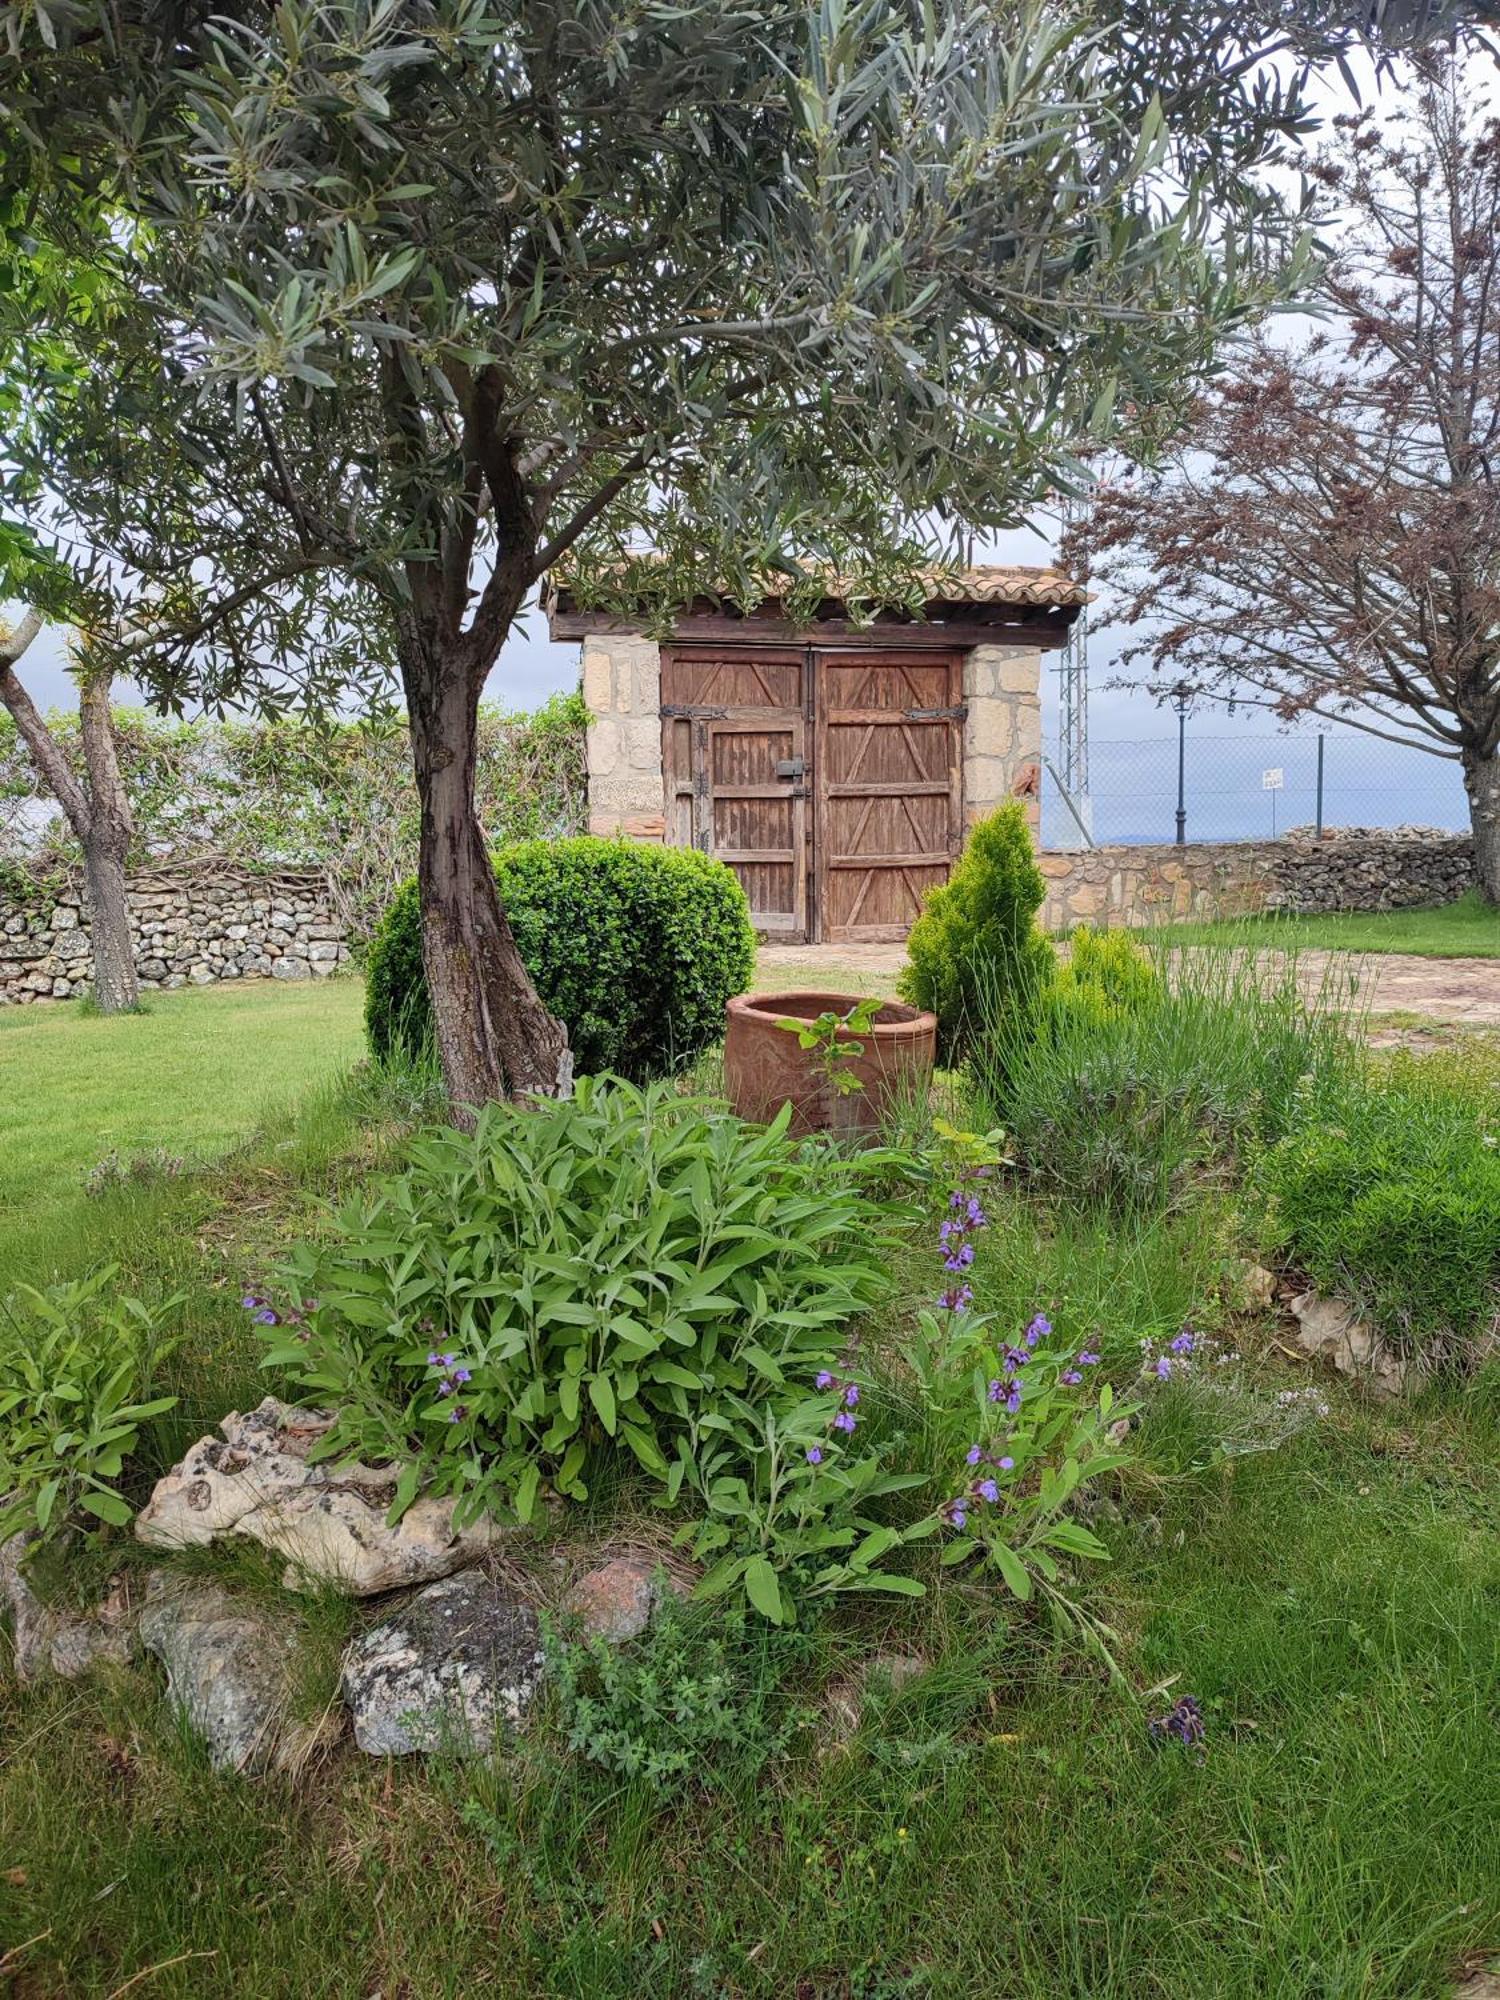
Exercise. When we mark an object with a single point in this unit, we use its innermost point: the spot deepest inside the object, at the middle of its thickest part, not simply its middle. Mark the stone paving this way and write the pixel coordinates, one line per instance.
(1453, 992)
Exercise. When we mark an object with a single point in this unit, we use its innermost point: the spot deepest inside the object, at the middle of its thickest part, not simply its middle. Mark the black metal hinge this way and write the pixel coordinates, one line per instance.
(672, 710)
(959, 714)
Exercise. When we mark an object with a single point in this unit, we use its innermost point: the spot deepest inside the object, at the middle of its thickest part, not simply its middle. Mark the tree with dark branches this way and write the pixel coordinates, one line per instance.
(1324, 537)
(428, 296)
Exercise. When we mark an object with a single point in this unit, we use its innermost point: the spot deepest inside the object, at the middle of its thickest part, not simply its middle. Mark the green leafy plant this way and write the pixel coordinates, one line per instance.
(628, 1271)
(636, 949)
(76, 1373)
(975, 951)
(1389, 1192)
(702, 1688)
(831, 1040)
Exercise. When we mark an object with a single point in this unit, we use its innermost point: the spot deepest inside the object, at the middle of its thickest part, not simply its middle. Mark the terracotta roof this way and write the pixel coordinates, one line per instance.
(1028, 584)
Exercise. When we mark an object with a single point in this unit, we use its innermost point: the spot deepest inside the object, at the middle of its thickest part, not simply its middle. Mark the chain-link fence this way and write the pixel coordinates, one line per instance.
(1253, 787)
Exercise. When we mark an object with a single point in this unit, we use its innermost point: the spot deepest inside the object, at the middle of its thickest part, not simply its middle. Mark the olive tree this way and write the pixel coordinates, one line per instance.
(429, 296)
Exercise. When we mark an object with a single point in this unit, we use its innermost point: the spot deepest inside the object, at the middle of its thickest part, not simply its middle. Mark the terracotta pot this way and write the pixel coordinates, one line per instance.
(765, 1066)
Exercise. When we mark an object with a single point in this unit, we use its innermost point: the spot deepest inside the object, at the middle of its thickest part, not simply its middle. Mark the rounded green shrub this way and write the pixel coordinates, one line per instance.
(975, 956)
(636, 949)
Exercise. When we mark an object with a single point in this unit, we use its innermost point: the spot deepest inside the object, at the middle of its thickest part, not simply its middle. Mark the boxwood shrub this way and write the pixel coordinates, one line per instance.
(636, 949)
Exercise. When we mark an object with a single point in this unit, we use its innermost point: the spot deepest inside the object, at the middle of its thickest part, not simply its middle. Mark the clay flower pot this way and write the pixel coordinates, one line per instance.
(765, 1066)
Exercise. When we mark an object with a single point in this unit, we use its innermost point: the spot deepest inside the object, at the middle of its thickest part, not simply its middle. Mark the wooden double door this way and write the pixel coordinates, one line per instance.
(828, 778)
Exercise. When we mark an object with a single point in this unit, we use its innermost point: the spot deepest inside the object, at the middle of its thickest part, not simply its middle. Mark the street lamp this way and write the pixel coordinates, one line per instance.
(1182, 697)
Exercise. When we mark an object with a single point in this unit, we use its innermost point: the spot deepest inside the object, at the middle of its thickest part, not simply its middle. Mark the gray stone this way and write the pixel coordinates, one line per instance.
(291, 968)
(457, 1664)
(231, 1668)
(64, 917)
(327, 1521)
(55, 1637)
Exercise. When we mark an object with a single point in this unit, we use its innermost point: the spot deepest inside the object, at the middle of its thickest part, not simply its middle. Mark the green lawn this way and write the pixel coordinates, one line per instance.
(1468, 928)
(194, 1073)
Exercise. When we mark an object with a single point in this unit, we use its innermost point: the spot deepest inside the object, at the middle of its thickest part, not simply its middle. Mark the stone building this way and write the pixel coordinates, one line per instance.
(835, 767)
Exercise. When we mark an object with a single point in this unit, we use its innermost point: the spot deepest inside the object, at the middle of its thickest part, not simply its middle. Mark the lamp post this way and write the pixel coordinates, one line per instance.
(1182, 696)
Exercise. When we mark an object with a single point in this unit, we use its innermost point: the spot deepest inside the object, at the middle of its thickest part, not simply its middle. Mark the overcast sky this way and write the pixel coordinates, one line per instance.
(1229, 753)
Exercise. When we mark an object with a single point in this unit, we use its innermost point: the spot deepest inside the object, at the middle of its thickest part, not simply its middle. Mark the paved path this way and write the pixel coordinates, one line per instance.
(1461, 992)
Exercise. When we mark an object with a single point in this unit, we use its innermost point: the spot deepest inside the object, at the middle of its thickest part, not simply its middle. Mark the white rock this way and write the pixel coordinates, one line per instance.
(458, 1663)
(328, 1522)
(291, 968)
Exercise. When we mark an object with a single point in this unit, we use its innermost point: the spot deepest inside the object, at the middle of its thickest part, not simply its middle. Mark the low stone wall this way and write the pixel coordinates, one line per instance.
(1137, 886)
(192, 927)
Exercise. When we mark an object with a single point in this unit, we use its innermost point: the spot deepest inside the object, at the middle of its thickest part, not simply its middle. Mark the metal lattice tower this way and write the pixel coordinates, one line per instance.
(1073, 704)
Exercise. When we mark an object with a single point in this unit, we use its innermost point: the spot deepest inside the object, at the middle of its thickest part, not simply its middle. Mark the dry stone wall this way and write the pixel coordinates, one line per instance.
(192, 927)
(1354, 870)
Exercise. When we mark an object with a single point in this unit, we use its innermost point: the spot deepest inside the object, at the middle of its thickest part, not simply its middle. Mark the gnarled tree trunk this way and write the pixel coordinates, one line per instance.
(100, 815)
(495, 1037)
(1482, 783)
(105, 847)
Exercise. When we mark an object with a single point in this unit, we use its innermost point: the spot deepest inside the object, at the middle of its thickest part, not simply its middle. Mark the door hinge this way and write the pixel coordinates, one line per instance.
(676, 710)
(959, 714)
(790, 767)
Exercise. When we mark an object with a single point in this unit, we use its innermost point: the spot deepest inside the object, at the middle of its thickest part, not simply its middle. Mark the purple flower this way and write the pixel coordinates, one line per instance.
(988, 1490)
(250, 1302)
(958, 1514)
(815, 1455)
(1006, 1464)
(851, 1394)
(1087, 1360)
(1070, 1376)
(958, 1300)
(973, 1455)
(266, 1317)
(1039, 1328)
(445, 1387)
(974, 1215)
(434, 1360)
(457, 1414)
(959, 1259)
(1016, 1357)
(446, 1359)
(1163, 1368)
(845, 1421)
(1184, 1721)
(462, 1375)
(958, 1199)
(823, 1379)
(1185, 1342)
(1007, 1392)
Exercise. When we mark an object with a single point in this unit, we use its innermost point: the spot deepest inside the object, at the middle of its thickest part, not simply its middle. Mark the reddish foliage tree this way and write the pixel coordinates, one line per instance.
(1324, 538)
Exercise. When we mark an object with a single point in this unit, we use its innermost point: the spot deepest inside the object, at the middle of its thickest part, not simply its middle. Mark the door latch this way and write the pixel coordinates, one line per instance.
(790, 767)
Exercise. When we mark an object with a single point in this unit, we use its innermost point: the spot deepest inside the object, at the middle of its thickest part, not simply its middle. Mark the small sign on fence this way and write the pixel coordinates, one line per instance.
(1273, 780)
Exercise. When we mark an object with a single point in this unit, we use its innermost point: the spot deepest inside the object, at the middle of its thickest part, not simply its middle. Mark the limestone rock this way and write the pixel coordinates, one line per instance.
(328, 1522)
(230, 1670)
(616, 1601)
(461, 1660)
(47, 1636)
(1331, 1330)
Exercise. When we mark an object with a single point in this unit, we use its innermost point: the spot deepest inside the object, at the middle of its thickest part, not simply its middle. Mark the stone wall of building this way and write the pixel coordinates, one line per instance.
(1150, 885)
(192, 927)
(622, 691)
(1003, 731)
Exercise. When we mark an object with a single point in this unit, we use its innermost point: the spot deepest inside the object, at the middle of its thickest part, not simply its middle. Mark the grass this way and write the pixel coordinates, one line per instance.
(1000, 1826)
(194, 1073)
(1469, 928)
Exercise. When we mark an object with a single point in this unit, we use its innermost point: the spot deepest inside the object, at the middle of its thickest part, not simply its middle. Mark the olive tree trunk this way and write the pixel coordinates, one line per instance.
(105, 848)
(494, 1036)
(1482, 783)
(98, 814)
